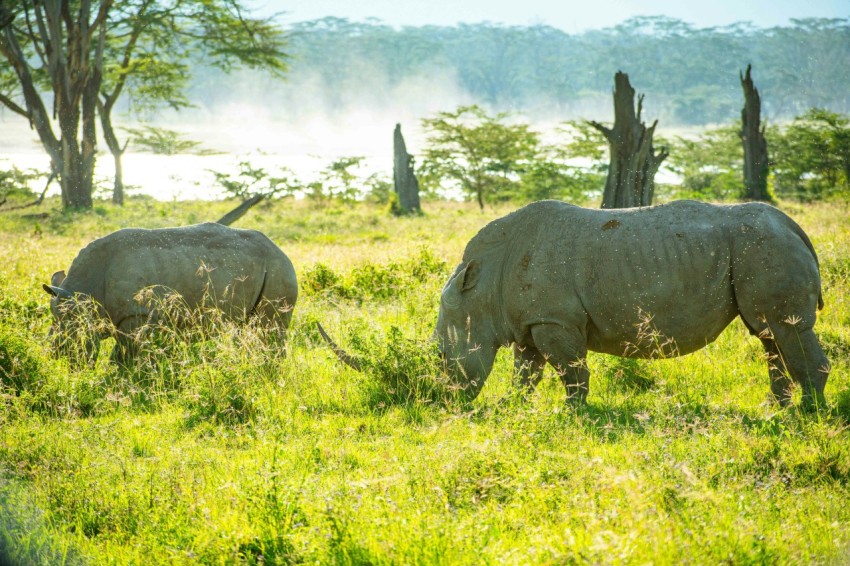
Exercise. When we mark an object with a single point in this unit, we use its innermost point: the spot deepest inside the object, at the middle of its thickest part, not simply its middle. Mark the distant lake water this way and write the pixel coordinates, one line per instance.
(305, 149)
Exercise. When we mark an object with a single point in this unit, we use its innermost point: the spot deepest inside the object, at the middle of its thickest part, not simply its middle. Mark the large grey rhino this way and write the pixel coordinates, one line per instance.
(556, 280)
(240, 272)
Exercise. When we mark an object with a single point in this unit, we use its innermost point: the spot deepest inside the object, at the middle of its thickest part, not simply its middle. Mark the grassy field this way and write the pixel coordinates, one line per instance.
(227, 449)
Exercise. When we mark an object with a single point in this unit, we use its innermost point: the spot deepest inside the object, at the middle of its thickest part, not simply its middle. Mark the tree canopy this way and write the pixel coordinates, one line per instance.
(688, 74)
(80, 56)
(481, 154)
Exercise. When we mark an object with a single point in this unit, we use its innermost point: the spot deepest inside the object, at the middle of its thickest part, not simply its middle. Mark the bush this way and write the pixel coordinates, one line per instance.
(404, 371)
(20, 368)
(161, 141)
(15, 183)
(372, 281)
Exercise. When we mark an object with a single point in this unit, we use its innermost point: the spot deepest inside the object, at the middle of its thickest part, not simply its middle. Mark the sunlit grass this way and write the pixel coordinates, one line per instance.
(220, 445)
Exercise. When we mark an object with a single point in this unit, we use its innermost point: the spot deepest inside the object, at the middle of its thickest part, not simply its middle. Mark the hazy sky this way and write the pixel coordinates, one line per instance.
(569, 16)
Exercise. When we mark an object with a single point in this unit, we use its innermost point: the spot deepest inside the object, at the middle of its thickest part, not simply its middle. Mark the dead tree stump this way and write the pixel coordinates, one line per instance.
(756, 165)
(405, 183)
(633, 161)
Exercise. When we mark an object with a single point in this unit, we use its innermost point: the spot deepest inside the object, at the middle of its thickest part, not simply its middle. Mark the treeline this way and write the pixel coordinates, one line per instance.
(689, 74)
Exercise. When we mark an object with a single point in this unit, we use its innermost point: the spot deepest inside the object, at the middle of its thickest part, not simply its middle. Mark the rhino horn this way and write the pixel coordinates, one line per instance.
(57, 291)
(343, 356)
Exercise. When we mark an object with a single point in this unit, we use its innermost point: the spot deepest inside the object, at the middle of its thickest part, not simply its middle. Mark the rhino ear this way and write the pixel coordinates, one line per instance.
(57, 291)
(57, 278)
(471, 274)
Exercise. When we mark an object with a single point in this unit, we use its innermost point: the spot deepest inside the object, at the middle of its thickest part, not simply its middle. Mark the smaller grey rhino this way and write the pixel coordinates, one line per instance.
(240, 272)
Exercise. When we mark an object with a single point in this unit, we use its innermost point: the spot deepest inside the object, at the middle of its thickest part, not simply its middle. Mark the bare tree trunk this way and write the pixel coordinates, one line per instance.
(104, 110)
(118, 184)
(404, 180)
(117, 152)
(756, 165)
(633, 161)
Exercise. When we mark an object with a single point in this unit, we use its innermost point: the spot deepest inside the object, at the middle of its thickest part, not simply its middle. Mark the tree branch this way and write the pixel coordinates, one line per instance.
(36, 202)
(607, 132)
(10, 104)
(129, 48)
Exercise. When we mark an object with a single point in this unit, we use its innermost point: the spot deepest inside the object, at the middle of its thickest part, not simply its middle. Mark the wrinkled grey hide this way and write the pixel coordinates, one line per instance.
(556, 280)
(243, 272)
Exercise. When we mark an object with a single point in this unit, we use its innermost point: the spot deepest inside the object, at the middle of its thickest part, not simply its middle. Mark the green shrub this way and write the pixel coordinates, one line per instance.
(404, 371)
(373, 281)
(21, 369)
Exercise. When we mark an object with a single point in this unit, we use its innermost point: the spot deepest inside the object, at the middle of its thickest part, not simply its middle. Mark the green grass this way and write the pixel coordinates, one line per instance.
(228, 449)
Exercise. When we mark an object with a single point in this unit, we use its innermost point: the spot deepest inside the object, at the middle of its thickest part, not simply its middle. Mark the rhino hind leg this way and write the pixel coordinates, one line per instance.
(804, 359)
(784, 314)
(528, 365)
(566, 351)
(276, 316)
(780, 383)
(792, 349)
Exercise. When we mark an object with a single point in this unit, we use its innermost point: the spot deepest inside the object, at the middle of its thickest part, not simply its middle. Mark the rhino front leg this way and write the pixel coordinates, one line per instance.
(566, 350)
(528, 365)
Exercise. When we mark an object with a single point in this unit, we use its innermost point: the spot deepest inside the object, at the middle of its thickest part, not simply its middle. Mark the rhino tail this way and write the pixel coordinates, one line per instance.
(343, 356)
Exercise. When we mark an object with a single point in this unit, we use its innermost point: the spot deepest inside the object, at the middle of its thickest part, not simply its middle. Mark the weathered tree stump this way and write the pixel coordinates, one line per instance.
(633, 161)
(756, 165)
(405, 183)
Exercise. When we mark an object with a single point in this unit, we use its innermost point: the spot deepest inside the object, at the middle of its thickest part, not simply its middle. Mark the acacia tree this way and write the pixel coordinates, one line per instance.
(482, 154)
(55, 42)
(153, 43)
(812, 155)
(87, 53)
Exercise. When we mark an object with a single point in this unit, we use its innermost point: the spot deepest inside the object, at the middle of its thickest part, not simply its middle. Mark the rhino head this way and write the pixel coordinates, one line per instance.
(68, 310)
(466, 331)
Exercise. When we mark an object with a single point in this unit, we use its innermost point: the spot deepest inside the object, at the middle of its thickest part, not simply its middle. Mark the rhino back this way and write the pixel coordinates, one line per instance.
(229, 263)
(608, 271)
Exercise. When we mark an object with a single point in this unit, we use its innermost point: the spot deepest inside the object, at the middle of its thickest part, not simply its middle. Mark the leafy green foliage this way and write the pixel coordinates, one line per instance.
(508, 67)
(251, 181)
(143, 48)
(161, 141)
(586, 142)
(15, 183)
(402, 371)
(710, 165)
(21, 369)
(812, 155)
(372, 281)
(338, 180)
(485, 156)
(479, 154)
